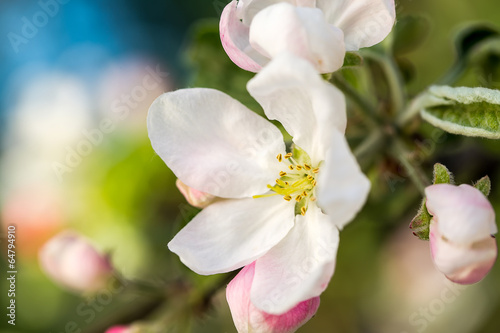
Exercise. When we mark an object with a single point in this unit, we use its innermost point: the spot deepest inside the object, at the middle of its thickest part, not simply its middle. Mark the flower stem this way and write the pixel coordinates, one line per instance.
(364, 106)
(393, 76)
(400, 152)
(369, 147)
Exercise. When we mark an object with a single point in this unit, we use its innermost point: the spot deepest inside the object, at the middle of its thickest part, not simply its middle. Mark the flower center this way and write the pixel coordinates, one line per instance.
(297, 182)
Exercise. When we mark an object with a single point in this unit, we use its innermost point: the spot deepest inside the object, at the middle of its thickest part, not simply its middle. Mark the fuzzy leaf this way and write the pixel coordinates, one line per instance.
(442, 175)
(352, 59)
(421, 223)
(464, 111)
(484, 185)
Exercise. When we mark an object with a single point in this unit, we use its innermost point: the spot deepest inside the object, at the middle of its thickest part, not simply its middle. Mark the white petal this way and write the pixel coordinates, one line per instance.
(292, 92)
(299, 267)
(235, 40)
(364, 22)
(342, 187)
(232, 233)
(247, 9)
(299, 30)
(463, 213)
(213, 143)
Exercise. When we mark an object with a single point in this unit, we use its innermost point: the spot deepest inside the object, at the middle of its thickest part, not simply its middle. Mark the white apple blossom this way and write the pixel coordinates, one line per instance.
(282, 210)
(462, 225)
(321, 31)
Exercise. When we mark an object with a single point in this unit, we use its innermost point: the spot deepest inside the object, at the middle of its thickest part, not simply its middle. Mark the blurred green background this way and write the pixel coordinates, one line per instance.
(123, 197)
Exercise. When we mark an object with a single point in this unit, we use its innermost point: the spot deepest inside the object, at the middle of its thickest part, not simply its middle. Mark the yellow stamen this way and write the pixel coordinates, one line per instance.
(288, 155)
(303, 211)
(290, 167)
(279, 157)
(298, 198)
(282, 173)
(287, 197)
(304, 194)
(307, 167)
(313, 182)
(309, 177)
(316, 170)
(299, 167)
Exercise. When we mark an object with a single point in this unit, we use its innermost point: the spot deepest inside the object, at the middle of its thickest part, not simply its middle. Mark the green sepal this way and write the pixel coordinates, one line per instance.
(421, 223)
(465, 111)
(484, 185)
(442, 175)
(353, 59)
(409, 33)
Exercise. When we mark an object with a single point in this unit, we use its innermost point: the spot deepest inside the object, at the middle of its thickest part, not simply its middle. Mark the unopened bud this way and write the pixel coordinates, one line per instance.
(194, 197)
(463, 222)
(247, 318)
(69, 259)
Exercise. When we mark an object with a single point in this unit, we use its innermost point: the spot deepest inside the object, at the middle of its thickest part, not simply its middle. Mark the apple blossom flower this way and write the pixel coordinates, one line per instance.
(69, 259)
(255, 31)
(282, 210)
(462, 225)
(194, 197)
(247, 318)
(118, 329)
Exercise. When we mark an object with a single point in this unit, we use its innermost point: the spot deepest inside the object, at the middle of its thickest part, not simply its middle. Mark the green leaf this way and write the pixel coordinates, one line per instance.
(484, 185)
(352, 59)
(409, 33)
(465, 111)
(421, 223)
(442, 175)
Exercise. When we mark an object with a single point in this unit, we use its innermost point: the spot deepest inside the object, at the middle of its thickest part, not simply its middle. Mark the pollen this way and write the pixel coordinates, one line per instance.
(297, 181)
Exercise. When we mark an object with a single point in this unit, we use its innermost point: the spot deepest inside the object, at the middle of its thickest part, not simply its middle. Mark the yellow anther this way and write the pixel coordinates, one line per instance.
(282, 173)
(299, 167)
(279, 157)
(313, 182)
(290, 167)
(304, 194)
(280, 182)
(309, 177)
(313, 199)
(307, 167)
(288, 155)
(298, 198)
(287, 183)
(287, 197)
(316, 170)
(303, 211)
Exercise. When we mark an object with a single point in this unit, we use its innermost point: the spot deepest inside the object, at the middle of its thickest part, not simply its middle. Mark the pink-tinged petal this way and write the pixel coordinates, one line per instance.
(247, 9)
(462, 263)
(301, 31)
(463, 213)
(235, 41)
(215, 144)
(194, 197)
(232, 233)
(364, 22)
(299, 267)
(342, 187)
(247, 318)
(118, 329)
(69, 259)
(291, 91)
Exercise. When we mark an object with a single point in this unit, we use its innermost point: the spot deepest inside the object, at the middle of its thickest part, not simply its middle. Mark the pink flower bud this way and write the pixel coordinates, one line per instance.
(462, 225)
(194, 197)
(247, 318)
(118, 329)
(69, 259)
